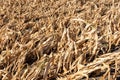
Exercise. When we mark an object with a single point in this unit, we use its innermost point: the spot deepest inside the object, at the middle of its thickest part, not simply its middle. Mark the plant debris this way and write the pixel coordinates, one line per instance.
(59, 39)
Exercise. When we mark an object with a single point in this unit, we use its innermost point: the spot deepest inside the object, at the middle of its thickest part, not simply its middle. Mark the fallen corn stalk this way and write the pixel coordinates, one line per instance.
(99, 64)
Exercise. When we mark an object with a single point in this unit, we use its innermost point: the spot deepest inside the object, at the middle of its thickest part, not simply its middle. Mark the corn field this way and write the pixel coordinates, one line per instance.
(59, 39)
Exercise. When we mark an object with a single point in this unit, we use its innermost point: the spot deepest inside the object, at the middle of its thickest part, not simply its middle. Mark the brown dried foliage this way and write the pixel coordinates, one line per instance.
(59, 39)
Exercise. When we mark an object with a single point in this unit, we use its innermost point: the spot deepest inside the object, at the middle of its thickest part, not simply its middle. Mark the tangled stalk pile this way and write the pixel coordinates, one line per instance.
(59, 39)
